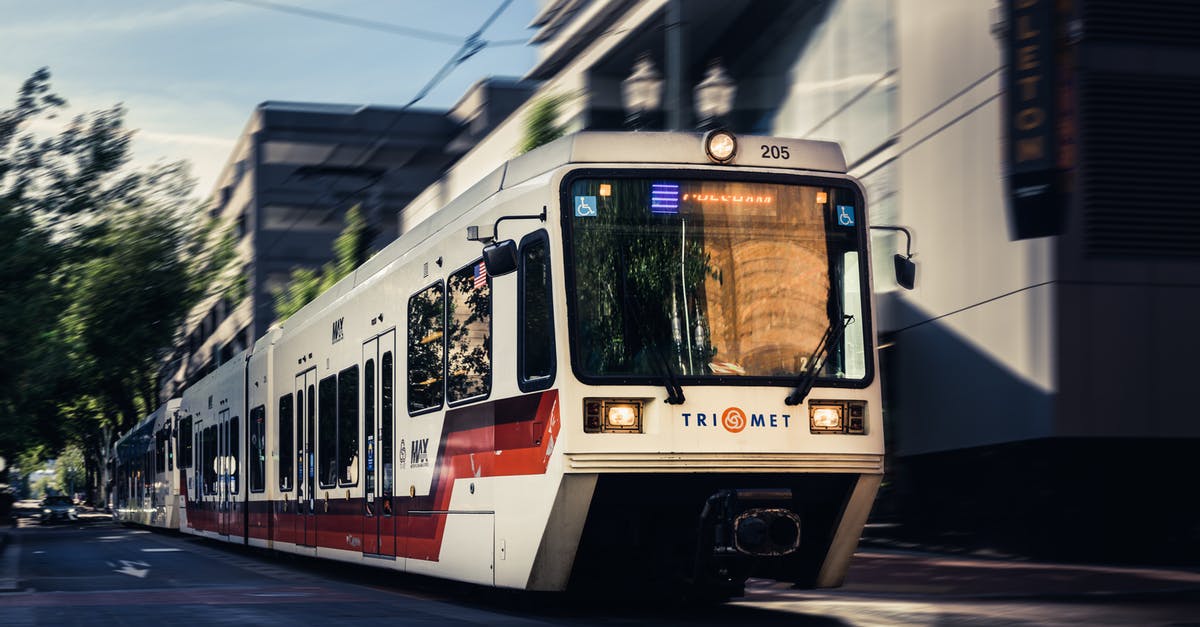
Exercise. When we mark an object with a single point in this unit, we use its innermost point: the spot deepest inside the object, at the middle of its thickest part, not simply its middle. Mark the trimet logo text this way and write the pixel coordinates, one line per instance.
(735, 420)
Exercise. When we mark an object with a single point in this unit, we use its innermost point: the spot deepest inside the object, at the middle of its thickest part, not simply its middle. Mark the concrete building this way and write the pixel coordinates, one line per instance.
(1034, 375)
(281, 200)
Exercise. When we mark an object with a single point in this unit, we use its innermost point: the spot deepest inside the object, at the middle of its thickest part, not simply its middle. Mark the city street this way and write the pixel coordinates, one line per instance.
(98, 573)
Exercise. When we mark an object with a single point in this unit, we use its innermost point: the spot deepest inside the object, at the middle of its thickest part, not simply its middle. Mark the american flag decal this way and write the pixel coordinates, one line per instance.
(481, 275)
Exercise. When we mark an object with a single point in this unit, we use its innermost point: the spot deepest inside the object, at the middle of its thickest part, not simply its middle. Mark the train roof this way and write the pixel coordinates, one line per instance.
(145, 425)
(670, 148)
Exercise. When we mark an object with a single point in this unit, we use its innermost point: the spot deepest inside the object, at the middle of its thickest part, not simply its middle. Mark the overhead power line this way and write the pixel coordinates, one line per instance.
(469, 47)
(386, 27)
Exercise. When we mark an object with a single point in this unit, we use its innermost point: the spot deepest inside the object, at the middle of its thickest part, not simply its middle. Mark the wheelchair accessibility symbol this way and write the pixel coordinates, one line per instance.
(845, 215)
(585, 206)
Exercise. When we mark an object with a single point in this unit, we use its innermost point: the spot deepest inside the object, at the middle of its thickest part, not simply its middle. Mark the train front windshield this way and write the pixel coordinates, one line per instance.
(715, 279)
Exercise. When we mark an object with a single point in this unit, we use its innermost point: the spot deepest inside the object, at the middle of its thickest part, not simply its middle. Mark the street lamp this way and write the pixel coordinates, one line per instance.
(714, 96)
(641, 93)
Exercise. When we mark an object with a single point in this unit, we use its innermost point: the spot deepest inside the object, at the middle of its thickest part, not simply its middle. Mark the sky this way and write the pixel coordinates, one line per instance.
(190, 72)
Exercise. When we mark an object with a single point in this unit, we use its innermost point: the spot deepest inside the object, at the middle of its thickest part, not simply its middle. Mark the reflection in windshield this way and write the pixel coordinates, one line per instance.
(725, 278)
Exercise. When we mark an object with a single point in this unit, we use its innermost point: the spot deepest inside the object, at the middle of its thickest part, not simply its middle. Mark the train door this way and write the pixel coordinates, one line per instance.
(378, 364)
(224, 498)
(306, 408)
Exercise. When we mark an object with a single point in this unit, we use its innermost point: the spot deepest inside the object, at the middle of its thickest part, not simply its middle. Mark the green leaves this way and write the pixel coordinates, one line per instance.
(541, 124)
(95, 274)
(350, 250)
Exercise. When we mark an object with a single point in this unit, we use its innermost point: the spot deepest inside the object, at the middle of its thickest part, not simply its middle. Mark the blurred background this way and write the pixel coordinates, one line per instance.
(1042, 153)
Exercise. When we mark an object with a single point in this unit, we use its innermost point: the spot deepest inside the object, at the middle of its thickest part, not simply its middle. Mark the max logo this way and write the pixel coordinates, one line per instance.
(418, 455)
(734, 420)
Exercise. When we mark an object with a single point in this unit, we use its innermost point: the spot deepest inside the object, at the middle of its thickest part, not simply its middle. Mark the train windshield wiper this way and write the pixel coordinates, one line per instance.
(674, 390)
(804, 383)
(659, 360)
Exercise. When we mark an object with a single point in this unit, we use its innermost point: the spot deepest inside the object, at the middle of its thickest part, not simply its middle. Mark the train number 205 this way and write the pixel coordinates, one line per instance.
(775, 152)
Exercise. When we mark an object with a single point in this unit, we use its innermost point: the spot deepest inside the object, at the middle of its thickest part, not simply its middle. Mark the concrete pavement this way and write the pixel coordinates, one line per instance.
(932, 576)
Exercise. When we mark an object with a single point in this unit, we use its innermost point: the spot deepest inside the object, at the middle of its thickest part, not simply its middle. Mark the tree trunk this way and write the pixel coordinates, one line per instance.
(105, 475)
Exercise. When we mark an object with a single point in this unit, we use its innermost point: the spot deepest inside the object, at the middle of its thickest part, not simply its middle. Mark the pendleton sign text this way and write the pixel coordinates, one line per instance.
(1030, 119)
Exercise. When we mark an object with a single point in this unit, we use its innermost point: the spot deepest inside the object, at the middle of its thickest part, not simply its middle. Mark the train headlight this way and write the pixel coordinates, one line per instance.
(837, 417)
(720, 146)
(612, 416)
(825, 418)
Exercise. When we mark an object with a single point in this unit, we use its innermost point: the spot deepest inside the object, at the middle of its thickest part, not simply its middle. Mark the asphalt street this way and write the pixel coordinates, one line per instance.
(99, 573)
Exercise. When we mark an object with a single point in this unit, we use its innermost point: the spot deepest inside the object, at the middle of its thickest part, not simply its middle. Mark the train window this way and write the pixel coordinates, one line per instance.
(184, 440)
(535, 356)
(198, 473)
(327, 432)
(347, 432)
(209, 460)
(258, 448)
(285, 442)
(160, 452)
(426, 349)
(469, 334)
(385, 419)
(234, 469)
(369, 421)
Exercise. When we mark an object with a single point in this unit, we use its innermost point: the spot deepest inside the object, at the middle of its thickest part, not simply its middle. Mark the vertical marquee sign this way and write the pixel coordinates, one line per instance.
(1034, 191)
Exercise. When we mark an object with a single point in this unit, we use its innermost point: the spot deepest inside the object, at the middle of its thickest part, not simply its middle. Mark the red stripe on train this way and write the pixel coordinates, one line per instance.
(466, 453)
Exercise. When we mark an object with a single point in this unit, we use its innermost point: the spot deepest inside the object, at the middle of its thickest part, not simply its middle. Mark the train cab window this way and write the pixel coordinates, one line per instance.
(469, 334)
(285, 442)
(327, 470)
(347, 431)
(258, 448)
(235, 468)
(426, 348)
(184, 442)
(535, 355)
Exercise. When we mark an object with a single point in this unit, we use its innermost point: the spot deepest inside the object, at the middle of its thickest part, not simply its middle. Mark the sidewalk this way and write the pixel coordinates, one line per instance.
(876, 571)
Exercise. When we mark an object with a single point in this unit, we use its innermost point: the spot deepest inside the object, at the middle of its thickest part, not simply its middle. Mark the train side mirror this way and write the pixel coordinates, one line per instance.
(906, 272)
(906, 269)
(500, 258)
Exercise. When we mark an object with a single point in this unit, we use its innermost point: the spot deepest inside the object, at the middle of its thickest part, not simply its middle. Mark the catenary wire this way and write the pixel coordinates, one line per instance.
(469, 47)
(395, 29)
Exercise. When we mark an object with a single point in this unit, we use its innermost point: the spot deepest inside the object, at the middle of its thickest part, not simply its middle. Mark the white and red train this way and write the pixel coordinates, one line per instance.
(643, 358)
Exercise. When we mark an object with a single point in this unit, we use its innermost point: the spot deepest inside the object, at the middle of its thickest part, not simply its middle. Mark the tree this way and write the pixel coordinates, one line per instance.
(96, 274)
(350, 250)
(125, 304)
(69, 469)
(541, 125)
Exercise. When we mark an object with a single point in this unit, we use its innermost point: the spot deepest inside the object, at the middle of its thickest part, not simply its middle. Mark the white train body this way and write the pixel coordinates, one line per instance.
(144, 478)
(540, 453)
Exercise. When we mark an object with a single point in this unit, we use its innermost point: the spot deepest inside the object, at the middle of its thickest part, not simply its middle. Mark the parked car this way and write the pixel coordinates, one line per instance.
(57, 508)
